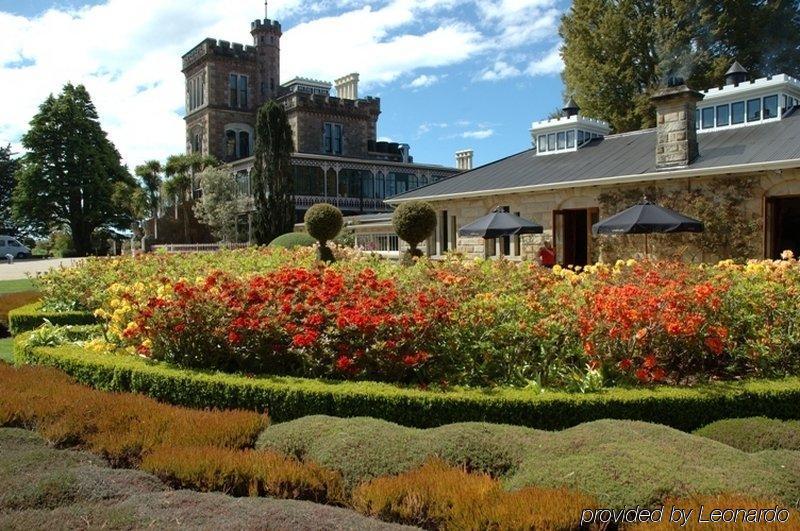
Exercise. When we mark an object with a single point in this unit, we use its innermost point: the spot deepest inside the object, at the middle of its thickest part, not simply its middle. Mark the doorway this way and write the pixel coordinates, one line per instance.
(572, 230)
(782, 226)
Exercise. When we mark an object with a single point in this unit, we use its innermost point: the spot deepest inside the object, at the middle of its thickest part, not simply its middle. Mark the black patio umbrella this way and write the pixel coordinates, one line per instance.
(499, 223)
(647, 218)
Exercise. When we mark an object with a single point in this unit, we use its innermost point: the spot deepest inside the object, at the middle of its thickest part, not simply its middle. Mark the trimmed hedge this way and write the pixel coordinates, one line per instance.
(31, 317)
(288, 398)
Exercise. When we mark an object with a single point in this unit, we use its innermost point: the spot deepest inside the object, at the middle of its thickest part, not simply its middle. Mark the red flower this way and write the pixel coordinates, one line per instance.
(234, 337)
(625, 364)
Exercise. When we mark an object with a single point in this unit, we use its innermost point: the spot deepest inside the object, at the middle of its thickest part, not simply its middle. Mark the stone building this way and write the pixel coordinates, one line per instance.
(338, 157)
(733, 150)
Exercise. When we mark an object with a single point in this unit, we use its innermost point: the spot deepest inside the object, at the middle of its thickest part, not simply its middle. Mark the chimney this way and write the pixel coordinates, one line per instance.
(464, 159)
(676, 134)
(347, 87)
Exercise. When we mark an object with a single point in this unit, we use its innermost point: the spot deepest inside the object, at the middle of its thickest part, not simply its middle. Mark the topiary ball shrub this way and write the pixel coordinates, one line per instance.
(324, 222)
(293, 239)
(414, 222)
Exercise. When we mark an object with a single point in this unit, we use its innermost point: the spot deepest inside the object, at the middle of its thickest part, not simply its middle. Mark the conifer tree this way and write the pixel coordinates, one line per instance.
(272, 178)
(71, 175)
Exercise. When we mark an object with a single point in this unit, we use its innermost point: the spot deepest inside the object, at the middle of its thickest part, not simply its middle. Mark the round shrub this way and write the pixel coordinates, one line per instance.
(414, 222)
(293, 239)
(323, 222)
(754, 434)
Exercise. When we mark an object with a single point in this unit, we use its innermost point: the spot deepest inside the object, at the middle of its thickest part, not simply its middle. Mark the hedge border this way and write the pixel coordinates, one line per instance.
(30, 317)
(287, 398)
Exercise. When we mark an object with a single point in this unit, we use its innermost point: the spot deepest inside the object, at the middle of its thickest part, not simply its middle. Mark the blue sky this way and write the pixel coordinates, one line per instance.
(452, 74)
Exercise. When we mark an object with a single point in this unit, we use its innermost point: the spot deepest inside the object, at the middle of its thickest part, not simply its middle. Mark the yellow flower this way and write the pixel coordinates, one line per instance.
(631, 262)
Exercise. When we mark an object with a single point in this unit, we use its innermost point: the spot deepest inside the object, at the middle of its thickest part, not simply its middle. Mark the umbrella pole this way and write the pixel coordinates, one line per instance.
(646, 250)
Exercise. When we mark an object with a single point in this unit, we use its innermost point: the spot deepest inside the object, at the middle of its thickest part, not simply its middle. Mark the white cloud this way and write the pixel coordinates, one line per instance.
(500, 70)
(479, 134)
(549, 64)
(423, 81)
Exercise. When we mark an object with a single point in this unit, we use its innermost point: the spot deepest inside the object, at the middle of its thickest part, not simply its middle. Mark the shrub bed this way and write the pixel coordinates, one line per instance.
(290, 398)
(120, 427)
(754, 434)
(437, 496)
(33, 316)
(621, 463)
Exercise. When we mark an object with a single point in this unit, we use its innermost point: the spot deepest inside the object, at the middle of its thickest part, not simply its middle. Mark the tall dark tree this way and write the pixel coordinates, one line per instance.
(8, 166)
(72, 173)
(616, 52)
(273, 186)
(180, 171)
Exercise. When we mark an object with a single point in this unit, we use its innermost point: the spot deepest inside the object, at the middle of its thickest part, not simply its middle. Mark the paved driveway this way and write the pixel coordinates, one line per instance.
(24, 268)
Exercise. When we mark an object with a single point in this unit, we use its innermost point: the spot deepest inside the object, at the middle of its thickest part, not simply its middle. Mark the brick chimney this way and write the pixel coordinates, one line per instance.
(676, 136)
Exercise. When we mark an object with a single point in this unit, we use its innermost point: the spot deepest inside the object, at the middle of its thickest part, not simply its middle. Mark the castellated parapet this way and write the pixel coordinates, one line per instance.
(220, 48)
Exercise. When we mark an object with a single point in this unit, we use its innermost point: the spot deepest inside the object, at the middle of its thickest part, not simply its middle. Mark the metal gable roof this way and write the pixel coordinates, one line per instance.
(629, 155)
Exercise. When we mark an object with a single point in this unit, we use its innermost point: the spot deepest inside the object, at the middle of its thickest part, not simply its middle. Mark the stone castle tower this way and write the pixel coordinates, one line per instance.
(225, 85)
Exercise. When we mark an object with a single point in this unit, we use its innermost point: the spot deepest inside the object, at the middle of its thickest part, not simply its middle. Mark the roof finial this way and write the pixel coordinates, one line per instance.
(266, 9)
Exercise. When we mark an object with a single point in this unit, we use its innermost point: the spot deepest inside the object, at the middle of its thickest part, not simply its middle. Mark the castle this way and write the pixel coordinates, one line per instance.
(338, 158)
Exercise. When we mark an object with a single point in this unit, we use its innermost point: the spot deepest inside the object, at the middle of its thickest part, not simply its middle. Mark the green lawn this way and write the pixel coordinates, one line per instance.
(6, 348)
(14, 286)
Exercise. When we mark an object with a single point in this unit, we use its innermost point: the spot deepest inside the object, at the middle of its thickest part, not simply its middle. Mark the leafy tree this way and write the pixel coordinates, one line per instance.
(8, 166)
(150, 174)
(220, 204)
(72, 174)
(616, 52)
(272, 174)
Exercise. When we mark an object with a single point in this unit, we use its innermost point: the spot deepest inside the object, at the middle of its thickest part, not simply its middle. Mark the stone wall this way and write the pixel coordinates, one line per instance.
(539, 207)
(308, 114)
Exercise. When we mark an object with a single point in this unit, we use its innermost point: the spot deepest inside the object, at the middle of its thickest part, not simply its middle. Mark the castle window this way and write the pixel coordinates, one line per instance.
(230, 145)
(570, 139)
(332, 138)
(708, 118)
(243, 183)
(195, 92)
(542, 143)
(237, 91)
(238, 141)
(244, 144)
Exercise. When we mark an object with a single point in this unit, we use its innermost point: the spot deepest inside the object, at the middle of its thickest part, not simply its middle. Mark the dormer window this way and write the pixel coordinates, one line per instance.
(566, 133)
(741, 102)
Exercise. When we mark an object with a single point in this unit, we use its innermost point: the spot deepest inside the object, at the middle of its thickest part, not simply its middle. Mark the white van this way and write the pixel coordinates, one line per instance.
(9, 245)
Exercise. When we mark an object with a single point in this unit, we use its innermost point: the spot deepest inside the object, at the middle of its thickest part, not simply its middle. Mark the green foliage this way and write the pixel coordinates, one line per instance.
(731, 230)
(754, 434)
(31, 317)
(73, 179)
(8, 167)
(655, 461)
(616, 53)
(272, 175)
(414, 222)
(323, 222)
(220, 205)
(289, 398)
(291, 240)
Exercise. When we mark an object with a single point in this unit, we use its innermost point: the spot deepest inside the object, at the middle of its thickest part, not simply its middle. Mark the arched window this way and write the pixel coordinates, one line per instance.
(238, 141)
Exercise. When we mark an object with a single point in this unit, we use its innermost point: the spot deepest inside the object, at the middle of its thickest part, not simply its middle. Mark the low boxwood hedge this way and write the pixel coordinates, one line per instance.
(31, 317)
(288, 398)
